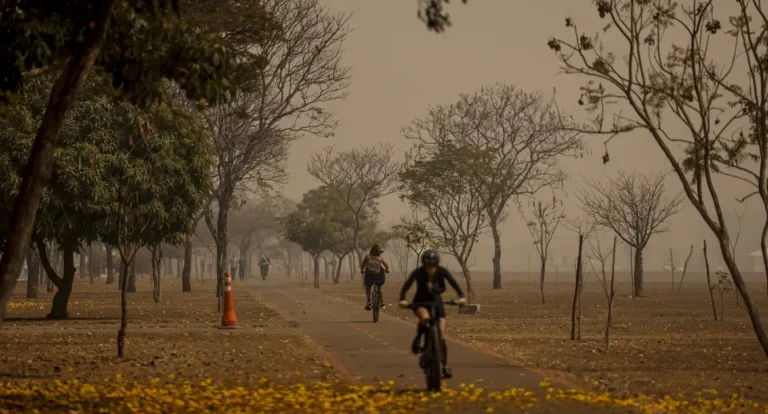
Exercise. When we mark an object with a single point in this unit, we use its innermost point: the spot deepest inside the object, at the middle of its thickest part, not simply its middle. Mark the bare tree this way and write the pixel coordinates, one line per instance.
(359, 177)
(685, 269)
(455, 209)
(512, 138)
(635, 207)
(542, 226)
(280, 102)
(682, 88)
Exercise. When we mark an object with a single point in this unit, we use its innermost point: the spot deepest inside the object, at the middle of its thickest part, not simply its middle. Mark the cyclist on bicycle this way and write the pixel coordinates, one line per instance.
(430, 281)
(374, 266)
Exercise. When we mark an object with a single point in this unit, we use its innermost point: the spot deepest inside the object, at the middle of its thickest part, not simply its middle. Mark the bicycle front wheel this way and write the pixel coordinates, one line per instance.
(432, 369)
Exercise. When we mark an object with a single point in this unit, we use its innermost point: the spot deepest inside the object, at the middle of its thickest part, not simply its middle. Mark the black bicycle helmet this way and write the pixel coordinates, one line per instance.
(430, 258)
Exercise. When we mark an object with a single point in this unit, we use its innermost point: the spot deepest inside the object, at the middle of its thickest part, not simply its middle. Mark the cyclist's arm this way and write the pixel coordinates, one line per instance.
(454, 285)
(385, 263)
(364, 263)
(407, 285)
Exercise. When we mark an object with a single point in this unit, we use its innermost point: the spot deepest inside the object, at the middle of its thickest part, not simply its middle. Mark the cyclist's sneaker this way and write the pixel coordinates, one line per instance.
(416, 345)
(368, 306)
(447, 372)
(383, 305)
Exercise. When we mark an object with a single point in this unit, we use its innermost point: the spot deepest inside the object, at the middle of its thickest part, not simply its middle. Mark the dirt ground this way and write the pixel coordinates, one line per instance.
(174, 339)
(663, 343)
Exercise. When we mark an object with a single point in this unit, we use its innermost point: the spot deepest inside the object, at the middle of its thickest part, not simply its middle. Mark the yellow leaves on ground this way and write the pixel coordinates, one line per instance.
(117, 396)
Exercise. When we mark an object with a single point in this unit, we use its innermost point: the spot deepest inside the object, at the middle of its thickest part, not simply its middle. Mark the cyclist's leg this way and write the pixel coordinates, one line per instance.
(368, 282)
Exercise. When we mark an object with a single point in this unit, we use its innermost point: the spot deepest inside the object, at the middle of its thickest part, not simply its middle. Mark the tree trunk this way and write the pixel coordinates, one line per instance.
(577, 288)
(33, 273)
(337, 275)
(132, 278)
(638, 271)
(155, 280)
(121, 276)
(316, 262)
(64, 287)
(609, 319)
(110, 264)
(221, 240)
(542, 273)
(764, 250)
(126, 268)
(493, 222)
(186, 273)
(754, 314)
(709, 282)
(37, 172)
(468, 279)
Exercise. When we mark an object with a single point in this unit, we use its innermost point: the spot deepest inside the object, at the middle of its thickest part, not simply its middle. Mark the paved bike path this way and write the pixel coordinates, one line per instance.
(368, 352)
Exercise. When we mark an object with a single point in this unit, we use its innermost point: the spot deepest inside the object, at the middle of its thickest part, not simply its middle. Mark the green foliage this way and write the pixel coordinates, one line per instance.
(146, 41)
(169, 171)
(323, 222)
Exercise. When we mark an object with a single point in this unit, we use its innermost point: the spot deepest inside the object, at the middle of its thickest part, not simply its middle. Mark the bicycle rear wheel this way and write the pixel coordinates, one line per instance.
(375, 303)
(432, 369)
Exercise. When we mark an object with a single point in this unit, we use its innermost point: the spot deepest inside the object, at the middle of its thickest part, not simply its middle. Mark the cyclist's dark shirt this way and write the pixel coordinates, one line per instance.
(423, 291)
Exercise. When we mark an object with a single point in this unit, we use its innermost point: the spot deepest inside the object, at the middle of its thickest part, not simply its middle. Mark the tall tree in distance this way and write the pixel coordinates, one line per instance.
(635, 207)
(359, 177)
(512, 139)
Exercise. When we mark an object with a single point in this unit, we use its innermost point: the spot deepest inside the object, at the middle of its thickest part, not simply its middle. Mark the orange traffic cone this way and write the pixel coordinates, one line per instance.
(228, 318)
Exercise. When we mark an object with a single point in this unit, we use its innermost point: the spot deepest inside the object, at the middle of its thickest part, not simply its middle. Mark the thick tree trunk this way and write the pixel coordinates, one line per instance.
(468, 279)
(123, 307)
(157, 255)
(316, 272)
(754, 314)
(186, 273)
(40, 164)
(221, 240)
(496, 252)
(325, 268)
(337, 271)
(110, 264)
(764, 250)
(64, 287)
(33, 273)
(132, 278)
(638, 271)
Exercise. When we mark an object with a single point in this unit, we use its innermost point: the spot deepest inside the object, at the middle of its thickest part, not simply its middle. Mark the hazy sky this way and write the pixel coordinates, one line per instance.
(400, 69)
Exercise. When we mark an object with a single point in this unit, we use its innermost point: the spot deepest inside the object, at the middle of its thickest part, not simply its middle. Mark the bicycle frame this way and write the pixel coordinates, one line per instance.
(431, 352)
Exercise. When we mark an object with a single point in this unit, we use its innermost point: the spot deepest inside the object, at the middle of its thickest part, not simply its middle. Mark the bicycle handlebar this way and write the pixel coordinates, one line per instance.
(454, 302)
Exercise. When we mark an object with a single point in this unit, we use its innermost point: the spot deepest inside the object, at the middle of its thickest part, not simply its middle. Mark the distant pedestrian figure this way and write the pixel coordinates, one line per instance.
(264, 263)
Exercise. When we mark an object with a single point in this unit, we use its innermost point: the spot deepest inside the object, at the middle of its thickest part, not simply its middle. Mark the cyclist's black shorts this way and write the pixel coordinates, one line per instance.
(374, 278)
(439, 308)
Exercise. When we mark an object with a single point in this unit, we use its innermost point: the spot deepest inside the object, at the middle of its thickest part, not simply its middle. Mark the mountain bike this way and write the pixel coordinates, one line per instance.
(431, 355)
